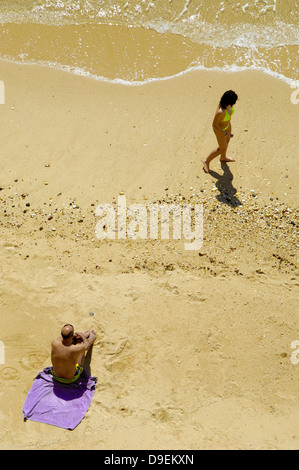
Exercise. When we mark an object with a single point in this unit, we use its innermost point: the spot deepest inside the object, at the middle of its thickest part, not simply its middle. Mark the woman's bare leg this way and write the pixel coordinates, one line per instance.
(223, 141)
(221, 150)
(208, 160)
(224, 158)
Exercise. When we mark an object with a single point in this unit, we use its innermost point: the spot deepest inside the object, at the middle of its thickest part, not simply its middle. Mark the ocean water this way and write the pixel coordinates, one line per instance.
(134, 41)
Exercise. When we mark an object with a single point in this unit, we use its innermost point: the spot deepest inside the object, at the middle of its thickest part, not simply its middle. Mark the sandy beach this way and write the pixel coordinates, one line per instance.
(193, 348)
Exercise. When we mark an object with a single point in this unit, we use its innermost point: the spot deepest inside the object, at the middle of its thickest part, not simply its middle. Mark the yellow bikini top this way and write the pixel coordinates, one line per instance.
(227, 115)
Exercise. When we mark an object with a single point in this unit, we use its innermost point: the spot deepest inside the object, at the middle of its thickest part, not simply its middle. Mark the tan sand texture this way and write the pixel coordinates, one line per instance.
(193, 348)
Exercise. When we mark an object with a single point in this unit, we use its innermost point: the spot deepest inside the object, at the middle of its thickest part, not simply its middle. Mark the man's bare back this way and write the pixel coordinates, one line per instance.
(69, 350)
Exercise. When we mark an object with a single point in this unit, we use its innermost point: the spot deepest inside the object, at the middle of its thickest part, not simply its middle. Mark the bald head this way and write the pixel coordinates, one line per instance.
(67, 331)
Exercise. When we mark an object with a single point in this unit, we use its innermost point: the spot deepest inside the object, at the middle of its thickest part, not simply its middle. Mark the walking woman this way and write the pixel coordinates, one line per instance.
(222, 128)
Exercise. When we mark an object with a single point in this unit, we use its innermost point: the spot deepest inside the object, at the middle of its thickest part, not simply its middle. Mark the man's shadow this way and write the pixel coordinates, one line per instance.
(87, 360)
(227, 193)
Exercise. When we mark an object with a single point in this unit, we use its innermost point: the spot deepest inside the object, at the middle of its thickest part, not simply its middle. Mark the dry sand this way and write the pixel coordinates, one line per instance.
(193, 348)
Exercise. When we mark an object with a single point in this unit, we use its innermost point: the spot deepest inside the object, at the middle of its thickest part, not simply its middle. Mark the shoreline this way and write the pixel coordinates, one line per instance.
(107, 52)
(119, 81)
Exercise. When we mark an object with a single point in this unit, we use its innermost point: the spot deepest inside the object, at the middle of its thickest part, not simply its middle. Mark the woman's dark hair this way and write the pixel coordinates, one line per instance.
(229, 98)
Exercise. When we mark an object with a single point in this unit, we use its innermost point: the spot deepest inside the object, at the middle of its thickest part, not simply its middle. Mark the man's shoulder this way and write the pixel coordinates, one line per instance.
(56, 342)
(56, 345)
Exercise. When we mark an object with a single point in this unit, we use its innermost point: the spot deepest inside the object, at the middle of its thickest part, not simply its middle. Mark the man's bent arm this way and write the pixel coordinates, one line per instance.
(85, 343)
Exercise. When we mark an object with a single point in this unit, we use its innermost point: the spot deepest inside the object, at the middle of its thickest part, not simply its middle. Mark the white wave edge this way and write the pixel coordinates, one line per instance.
(125, 82)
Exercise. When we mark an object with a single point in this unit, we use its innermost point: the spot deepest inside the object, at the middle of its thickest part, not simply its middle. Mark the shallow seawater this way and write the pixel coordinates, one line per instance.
(136, 40)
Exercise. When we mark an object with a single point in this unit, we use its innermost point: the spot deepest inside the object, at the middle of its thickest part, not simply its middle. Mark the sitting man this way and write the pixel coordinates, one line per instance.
(68, 353)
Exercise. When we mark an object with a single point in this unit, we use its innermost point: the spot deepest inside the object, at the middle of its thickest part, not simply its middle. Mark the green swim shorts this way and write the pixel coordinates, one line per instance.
(79, 371)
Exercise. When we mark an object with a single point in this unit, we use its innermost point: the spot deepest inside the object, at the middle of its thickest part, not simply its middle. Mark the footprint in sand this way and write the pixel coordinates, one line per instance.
(170, 288)
(120, 359)
(196, 298)
(9, 373)
(165, 413)
(10, 245)
(32, 361)
(160, 414)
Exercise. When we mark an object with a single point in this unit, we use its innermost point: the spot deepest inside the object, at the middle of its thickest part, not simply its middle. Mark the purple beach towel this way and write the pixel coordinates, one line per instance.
(58, 404)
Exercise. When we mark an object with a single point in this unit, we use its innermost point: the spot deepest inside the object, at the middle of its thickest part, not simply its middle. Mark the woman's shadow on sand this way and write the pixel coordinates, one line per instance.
(224, 184)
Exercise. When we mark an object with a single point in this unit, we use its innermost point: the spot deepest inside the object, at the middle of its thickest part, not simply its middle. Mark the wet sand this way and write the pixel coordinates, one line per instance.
(193, 348)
